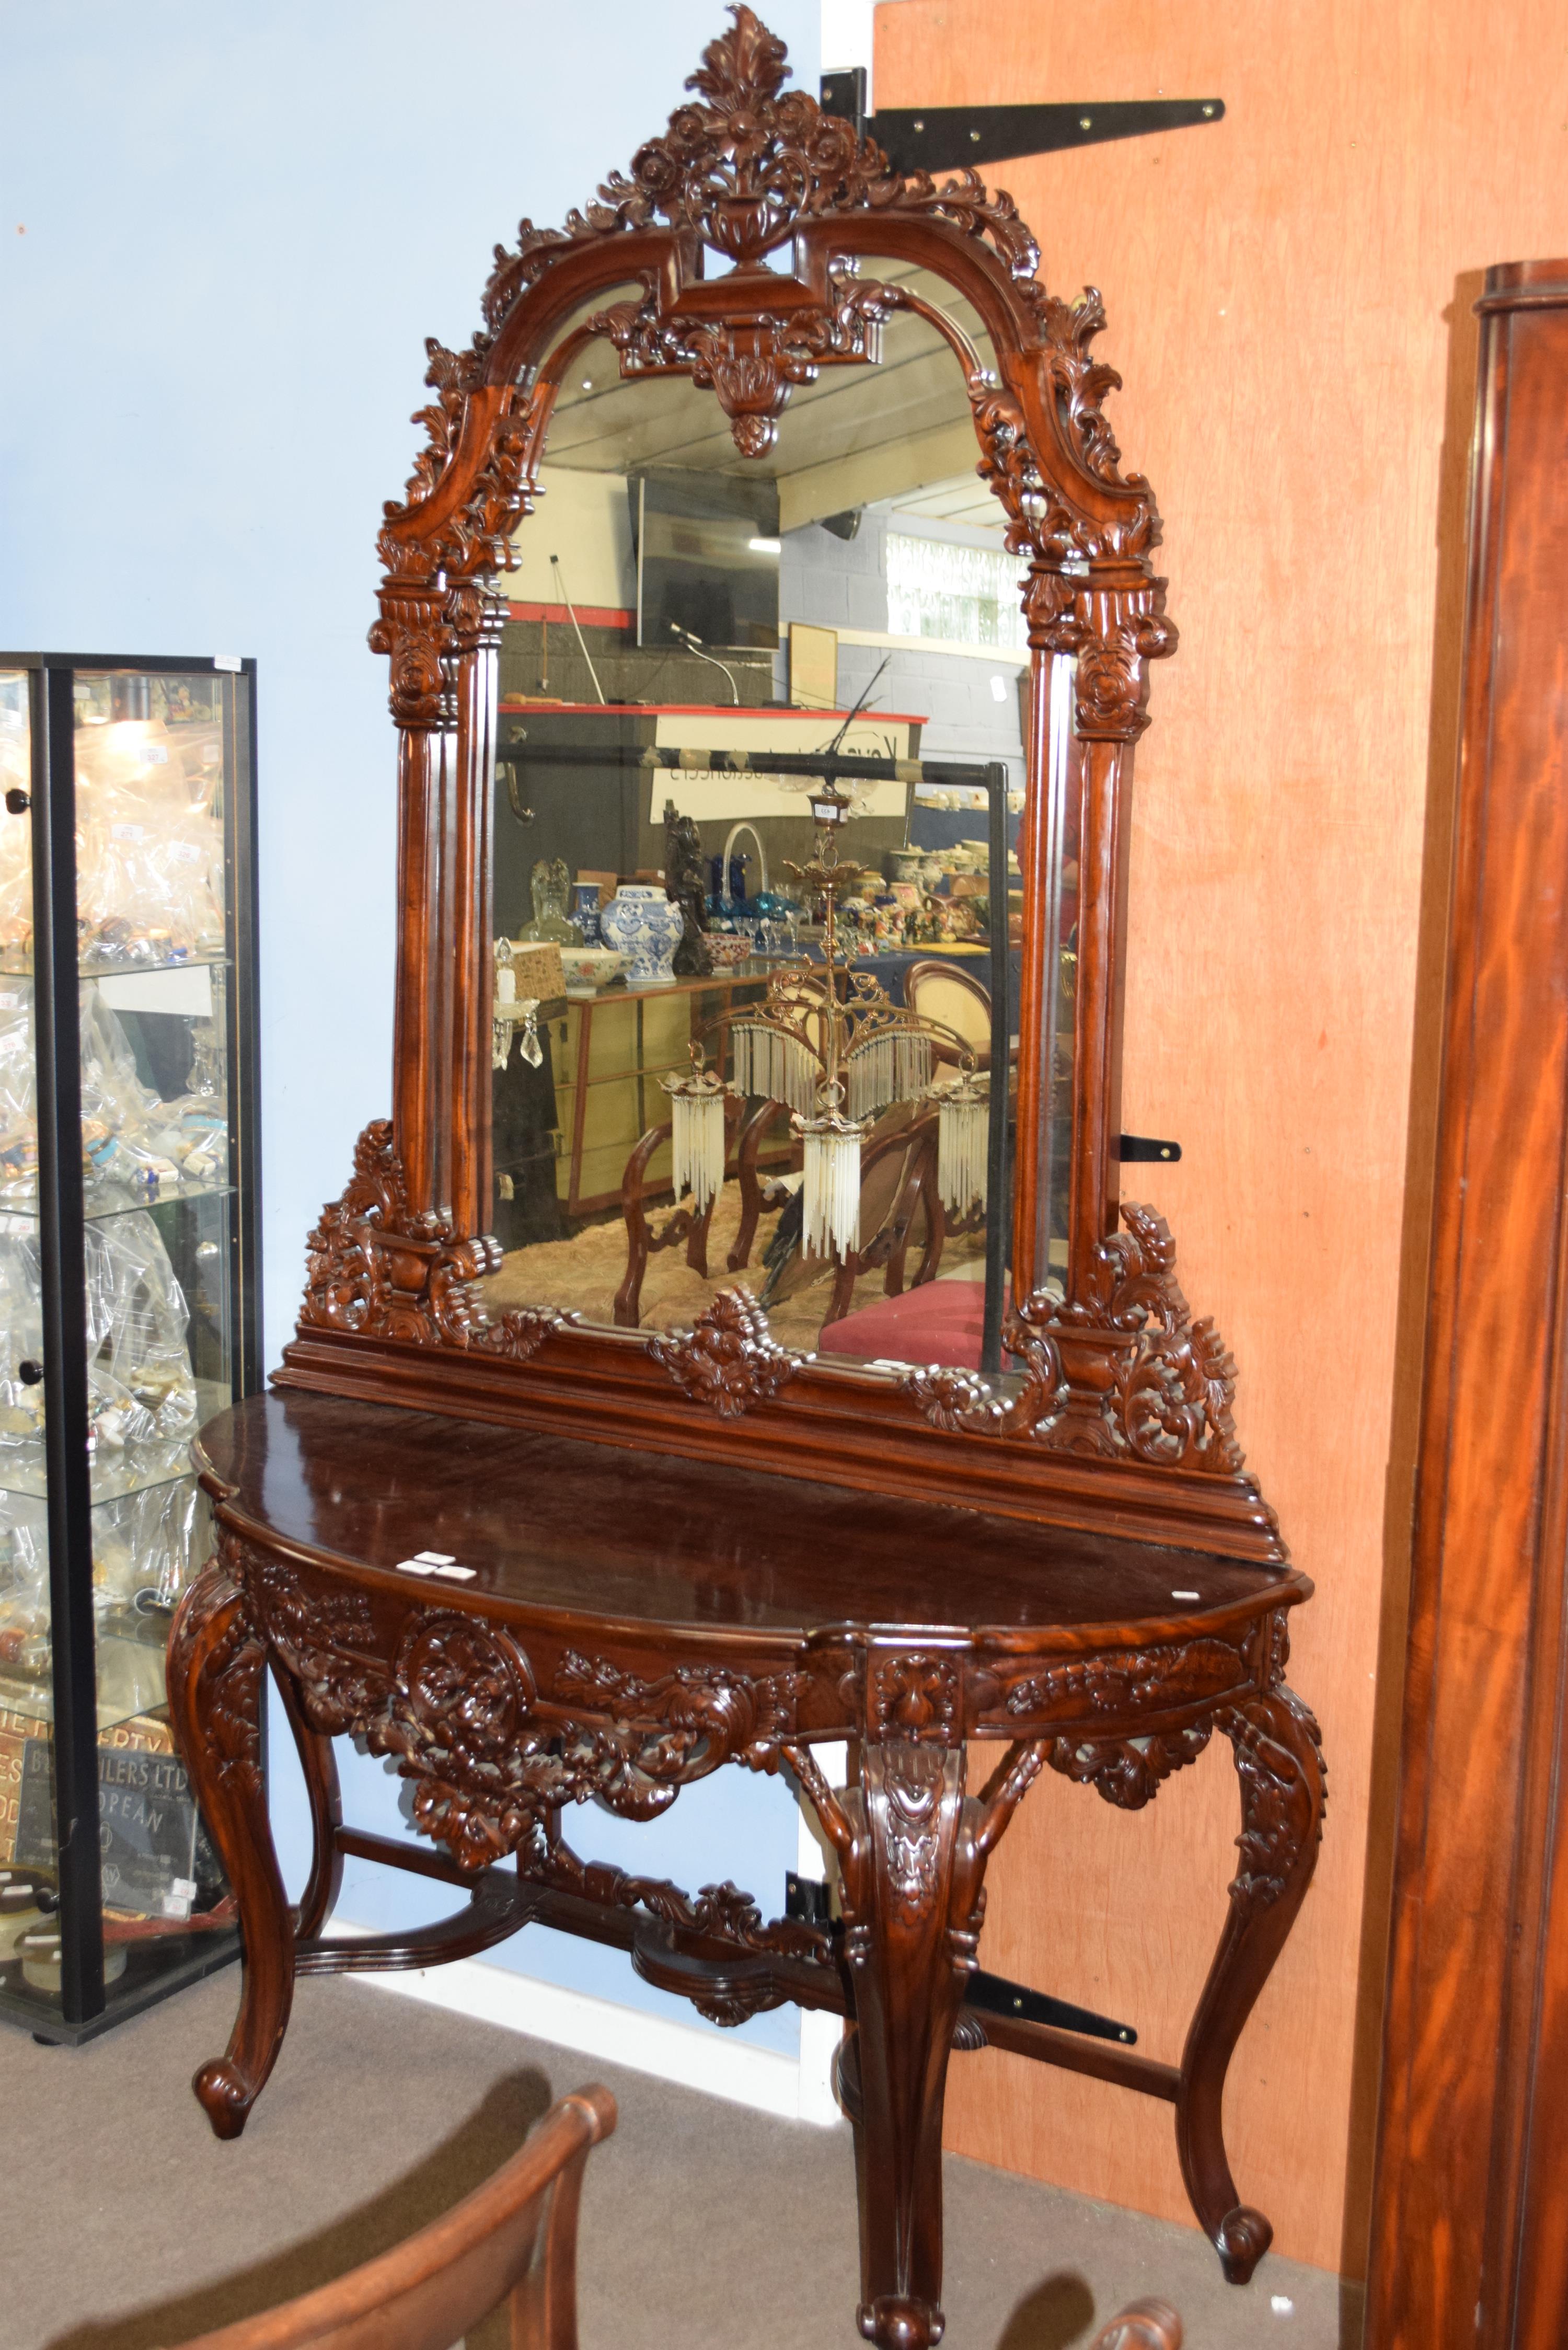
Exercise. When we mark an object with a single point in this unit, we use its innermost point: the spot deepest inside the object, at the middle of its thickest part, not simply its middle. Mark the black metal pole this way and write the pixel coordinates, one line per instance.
(241, 1057)
(999, 1219)
(62, 1249)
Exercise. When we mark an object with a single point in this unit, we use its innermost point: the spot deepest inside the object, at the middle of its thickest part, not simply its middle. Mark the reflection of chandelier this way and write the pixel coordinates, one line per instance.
(836, 1058)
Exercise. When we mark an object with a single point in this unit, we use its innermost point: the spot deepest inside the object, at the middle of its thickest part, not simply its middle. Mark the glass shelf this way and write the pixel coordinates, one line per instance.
(101, 1200)
(15, 965)
(136, 1468)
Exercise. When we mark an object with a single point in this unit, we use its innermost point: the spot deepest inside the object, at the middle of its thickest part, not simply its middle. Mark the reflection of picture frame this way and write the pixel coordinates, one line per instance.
(813, 666)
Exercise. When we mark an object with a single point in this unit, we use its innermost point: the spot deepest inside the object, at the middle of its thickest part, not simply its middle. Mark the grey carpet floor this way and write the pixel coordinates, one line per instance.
(705, 2226)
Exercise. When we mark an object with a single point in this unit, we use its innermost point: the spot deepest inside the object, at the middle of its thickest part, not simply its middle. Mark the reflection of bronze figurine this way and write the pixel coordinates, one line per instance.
(685, 881)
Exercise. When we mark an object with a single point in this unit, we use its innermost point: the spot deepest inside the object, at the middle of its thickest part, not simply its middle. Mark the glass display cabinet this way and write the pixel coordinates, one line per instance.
(128, 1298)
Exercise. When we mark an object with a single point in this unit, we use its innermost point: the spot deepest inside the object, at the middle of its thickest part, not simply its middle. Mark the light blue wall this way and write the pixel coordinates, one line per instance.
(225, 231)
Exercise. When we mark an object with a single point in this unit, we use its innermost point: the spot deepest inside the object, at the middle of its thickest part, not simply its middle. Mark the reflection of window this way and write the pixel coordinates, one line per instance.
(969, 594)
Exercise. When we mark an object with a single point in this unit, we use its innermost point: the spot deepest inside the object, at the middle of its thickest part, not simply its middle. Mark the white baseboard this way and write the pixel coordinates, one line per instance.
(736, 2070)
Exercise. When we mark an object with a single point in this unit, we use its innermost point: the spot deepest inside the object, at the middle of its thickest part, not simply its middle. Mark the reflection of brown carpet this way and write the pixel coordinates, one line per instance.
(584, 1273)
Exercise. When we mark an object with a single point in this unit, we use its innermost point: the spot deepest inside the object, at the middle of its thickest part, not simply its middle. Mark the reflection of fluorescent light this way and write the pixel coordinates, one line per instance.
(764, 545)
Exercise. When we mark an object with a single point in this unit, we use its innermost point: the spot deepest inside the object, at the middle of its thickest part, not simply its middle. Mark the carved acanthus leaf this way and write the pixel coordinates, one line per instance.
(224, 1698)
(728, 1359)
(324, 1636)
(1281, 1811)
(522, 1330)
(374, 1266)
(1139, 1377)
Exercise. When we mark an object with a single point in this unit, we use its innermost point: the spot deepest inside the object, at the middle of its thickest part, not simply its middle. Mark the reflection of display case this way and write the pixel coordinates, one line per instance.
(128, 1297)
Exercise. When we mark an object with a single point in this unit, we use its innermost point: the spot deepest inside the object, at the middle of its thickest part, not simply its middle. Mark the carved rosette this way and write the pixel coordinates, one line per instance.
(728, 1359)
(915, 1695)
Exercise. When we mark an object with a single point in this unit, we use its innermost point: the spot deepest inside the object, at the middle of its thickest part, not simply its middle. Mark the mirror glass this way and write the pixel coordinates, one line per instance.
(756, 896)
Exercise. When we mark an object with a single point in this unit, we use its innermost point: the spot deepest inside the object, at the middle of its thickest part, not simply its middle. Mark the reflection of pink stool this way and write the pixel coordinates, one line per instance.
(940, 1322)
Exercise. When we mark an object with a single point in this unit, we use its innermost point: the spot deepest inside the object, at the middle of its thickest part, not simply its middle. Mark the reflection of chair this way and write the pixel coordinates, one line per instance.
(942, 991)
(514, 2238)
(689, 1223)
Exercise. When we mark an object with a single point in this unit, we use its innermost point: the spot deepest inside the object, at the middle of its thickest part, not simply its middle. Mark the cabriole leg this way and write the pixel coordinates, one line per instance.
(912, 1850)
(1279, 1761)
(319, 1766)
(216, 1674)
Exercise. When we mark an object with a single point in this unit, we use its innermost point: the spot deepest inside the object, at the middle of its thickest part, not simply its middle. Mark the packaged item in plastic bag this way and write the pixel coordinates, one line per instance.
(134, 1146)
(149, 860)
(23, 1588)
(142, 1404)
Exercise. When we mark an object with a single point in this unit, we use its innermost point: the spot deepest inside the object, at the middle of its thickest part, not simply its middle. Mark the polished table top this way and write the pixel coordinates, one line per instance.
(640, 1538)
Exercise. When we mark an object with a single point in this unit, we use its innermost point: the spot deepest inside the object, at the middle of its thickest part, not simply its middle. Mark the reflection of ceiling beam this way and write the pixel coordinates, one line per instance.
(891, 470)
(608, 423)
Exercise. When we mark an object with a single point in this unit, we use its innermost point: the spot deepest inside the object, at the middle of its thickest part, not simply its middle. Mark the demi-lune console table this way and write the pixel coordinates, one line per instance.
(631, 1622)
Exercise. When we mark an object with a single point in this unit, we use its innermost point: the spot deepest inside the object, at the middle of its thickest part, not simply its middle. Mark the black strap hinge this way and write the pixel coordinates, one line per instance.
(946, 137)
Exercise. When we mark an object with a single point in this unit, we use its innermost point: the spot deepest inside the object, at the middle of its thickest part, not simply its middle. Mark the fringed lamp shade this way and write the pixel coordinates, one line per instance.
(697, 1136)
(892, 1067)
(831, 1188)
(771, 1063)
(962, 1126)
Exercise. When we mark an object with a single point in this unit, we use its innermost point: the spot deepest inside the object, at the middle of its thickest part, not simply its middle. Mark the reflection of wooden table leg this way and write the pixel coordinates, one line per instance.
(1280, 1765)
(580, 1106)
(216, 1675)
(912, 1849)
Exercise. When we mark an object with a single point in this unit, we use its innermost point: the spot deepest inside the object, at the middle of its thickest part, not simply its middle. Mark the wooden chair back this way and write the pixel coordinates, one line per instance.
(942, 990)
(513, 2239)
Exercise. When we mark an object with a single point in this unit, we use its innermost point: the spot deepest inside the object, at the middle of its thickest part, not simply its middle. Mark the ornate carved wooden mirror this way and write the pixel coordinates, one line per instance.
(634, 1068)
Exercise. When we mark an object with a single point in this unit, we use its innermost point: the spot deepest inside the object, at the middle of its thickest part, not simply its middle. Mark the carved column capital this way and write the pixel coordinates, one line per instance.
(412, 632)
(473, 611)
(1111, 618)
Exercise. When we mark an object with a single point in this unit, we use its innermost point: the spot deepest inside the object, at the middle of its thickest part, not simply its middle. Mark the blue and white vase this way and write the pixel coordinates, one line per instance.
(645, 925)
(585, 910)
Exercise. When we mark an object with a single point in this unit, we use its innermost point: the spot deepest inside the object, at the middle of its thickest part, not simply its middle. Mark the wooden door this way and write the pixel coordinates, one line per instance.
(1470, 2218)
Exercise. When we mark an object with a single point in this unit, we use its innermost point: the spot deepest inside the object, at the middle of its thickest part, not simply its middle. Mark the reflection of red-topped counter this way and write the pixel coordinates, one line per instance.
(524, 1621)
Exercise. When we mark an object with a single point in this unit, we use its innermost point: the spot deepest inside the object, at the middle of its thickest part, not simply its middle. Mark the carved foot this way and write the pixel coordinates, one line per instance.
(1244, 2236)
(225, 2097)
(1279, 1763)
(896, 2322)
